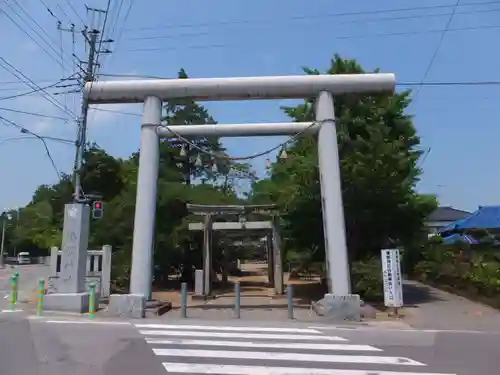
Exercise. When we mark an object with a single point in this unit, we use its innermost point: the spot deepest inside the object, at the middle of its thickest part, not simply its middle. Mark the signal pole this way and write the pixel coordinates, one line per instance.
(71, 284)
(91, 39)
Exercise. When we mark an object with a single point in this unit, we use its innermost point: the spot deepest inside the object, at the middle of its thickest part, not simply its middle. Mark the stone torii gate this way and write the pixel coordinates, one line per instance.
(153, 92)
(269, 228)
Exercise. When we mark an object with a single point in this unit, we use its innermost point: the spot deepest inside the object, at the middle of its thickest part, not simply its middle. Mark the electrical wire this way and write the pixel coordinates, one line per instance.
(340, 37)
(49, 37)
(113, 22)
(362, 21)
(49, 10)
(40, 81)
(74, 11)
(102, 33)
(47, 150)
(311, 17)
(27, 131)
(33, 85)
(42, 88)
(115, 11)
(131, 76)
(33, 114)
(115, 111)
(56, 58)
(120, 33)
(435, 53)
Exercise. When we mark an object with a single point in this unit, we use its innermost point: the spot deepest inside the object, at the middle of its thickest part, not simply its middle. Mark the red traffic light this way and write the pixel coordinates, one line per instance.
(97, 205)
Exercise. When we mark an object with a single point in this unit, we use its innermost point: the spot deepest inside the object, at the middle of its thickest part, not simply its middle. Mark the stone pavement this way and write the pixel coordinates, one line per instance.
(431, 308)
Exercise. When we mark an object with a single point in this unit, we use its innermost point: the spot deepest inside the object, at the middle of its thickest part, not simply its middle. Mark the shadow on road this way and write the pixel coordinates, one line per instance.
(415, 294)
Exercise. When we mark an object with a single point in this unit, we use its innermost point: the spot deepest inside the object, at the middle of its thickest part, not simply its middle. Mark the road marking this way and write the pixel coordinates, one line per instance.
(10, 311)
(85, 322)
(405, 330)
(222, 328)
(239, 335)
(286, 345)
(195, 368)
(299, 357)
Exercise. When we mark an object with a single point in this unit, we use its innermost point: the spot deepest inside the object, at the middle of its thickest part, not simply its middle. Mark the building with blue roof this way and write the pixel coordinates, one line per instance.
(485, 217)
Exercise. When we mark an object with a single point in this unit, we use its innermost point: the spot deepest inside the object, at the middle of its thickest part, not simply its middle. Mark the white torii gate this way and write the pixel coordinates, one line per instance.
(153, 92)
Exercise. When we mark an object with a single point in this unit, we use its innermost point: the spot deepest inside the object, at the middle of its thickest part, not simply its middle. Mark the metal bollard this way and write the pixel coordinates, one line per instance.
(13, 288)
(41, 294)
(184, 297)
(16, 290)
(289, 294)
(92, 301)
(237, 300)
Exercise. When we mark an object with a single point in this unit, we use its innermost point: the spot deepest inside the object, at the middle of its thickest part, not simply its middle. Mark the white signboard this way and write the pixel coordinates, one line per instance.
(391, 274)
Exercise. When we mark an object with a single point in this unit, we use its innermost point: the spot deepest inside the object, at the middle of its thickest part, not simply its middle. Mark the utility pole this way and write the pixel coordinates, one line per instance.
(71, 283)
(4, 217)
(91, 39)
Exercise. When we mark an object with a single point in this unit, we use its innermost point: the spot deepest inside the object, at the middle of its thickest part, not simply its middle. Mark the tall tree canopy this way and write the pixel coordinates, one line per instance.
(378, 149)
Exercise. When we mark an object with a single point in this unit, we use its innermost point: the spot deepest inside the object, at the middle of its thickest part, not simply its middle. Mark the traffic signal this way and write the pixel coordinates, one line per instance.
(97, 210)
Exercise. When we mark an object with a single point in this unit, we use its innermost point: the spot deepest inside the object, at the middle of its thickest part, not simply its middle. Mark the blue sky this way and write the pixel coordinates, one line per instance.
(234, 38)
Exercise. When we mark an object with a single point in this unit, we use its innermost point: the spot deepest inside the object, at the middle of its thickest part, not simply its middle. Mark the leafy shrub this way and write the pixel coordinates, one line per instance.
(366, 278)
(474, 270)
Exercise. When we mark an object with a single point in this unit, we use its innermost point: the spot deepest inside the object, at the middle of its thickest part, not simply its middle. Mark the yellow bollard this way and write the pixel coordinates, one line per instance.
(41, 294)
(13, 289)
(92, 301)
(16, 291)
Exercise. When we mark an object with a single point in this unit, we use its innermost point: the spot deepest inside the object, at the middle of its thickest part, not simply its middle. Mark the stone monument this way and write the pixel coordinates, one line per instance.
(71, 294)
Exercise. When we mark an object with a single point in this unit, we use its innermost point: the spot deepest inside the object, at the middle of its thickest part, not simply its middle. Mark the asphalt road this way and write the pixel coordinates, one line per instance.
(79, 347)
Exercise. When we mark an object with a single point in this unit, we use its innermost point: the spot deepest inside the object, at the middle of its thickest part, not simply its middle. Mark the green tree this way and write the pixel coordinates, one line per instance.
(378, 148)
(194, 164)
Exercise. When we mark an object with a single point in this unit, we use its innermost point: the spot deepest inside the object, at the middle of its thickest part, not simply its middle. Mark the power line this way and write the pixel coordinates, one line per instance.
(34, 86)
(93, 60)
(38, 89)
(27, 131)
(451, 83)
(35, 23)
(356, 21)
(312, 17)
(115, 111)
(120, 33)
(75, 12)
(40, 81)
(47, 150)
(130, 76)
(57, 58)
(436, 51)
(340, 37)
(33, 114)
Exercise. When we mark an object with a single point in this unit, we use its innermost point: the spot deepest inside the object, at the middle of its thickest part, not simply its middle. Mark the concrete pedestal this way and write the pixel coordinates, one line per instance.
(71, 296)
(339, 308)
(68, 302)
(127, 305)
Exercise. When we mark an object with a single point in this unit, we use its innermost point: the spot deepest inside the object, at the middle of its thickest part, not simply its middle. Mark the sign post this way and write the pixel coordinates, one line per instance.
(393, 282)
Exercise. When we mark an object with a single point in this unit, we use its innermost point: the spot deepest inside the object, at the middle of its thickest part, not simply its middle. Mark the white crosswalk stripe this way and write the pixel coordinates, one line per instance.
(238, 350)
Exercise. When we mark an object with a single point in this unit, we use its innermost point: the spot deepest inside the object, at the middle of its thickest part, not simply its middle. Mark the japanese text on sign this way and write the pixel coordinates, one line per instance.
(392, 280)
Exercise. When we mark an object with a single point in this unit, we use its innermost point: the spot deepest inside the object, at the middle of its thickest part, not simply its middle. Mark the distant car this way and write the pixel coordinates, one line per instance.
(24, 258)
